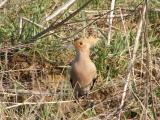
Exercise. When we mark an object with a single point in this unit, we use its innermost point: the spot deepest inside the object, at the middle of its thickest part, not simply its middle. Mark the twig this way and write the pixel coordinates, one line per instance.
(30, 92)
(123, 9)
(38, 25)
(19, 70)
(148, 85)
(123, 21)
(97, 16)
(125, 32)
(20, 25)
(3, 3)
(148, 62)
(60, 9)
(130, 67)
(33, 103)
(110, 22)
(16, 47)
(16, 104)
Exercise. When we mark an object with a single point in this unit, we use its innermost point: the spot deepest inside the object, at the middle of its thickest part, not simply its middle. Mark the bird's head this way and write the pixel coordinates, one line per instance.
(84, 44)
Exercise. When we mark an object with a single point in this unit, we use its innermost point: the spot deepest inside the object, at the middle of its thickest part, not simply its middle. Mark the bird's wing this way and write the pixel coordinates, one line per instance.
(71, 80)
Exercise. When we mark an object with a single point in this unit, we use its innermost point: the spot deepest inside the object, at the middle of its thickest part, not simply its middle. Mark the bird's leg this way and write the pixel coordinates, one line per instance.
(76, 97)
(89, 104)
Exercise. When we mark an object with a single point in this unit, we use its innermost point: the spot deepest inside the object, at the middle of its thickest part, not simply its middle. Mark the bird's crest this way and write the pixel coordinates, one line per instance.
(92, 40)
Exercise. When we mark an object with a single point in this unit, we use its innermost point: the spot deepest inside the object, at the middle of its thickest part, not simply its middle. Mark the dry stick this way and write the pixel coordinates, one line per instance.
(17, 47)
(135, 95)
(34, 103)
(19, 70)
(1, 83)
(29, 92)
(126, 9)
(54, 26)
(125, 31)
(143, 107)
(148, 85)
(93, 18)
(144, 117)
(28, 20)
(123, 21)
(60, 9)
(20, 25)
(110, 21)
(131, 64)
(38, 25)
(3, 3)
(38, 103)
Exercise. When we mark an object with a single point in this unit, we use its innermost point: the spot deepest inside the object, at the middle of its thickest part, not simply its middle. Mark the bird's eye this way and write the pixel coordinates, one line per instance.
(81, 43)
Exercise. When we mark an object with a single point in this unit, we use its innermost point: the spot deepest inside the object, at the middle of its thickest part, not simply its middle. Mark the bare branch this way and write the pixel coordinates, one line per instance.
(110, 21)
(130, 67)
(3, 3)
(148, 85)
(33, 103)
(60, 9)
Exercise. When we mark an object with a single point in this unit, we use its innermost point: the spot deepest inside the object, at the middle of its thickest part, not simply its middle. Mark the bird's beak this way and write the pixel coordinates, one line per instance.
(76, 45)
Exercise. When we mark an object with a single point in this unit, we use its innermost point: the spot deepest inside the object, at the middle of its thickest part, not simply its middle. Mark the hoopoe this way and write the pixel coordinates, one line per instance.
(83, 72)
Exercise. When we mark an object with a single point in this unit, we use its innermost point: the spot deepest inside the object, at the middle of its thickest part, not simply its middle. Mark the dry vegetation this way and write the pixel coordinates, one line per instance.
(34, 79)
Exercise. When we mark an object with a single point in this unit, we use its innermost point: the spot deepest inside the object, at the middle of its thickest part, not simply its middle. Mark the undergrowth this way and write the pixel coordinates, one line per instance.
(34, 80)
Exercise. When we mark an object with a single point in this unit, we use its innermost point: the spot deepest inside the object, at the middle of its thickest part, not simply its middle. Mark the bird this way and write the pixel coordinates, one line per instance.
(83, 73)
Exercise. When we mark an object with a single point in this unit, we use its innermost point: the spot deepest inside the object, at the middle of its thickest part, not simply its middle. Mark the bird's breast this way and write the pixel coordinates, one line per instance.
(83, 72)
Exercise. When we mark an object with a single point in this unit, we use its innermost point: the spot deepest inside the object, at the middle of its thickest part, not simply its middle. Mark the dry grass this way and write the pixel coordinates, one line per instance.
(34, 77)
